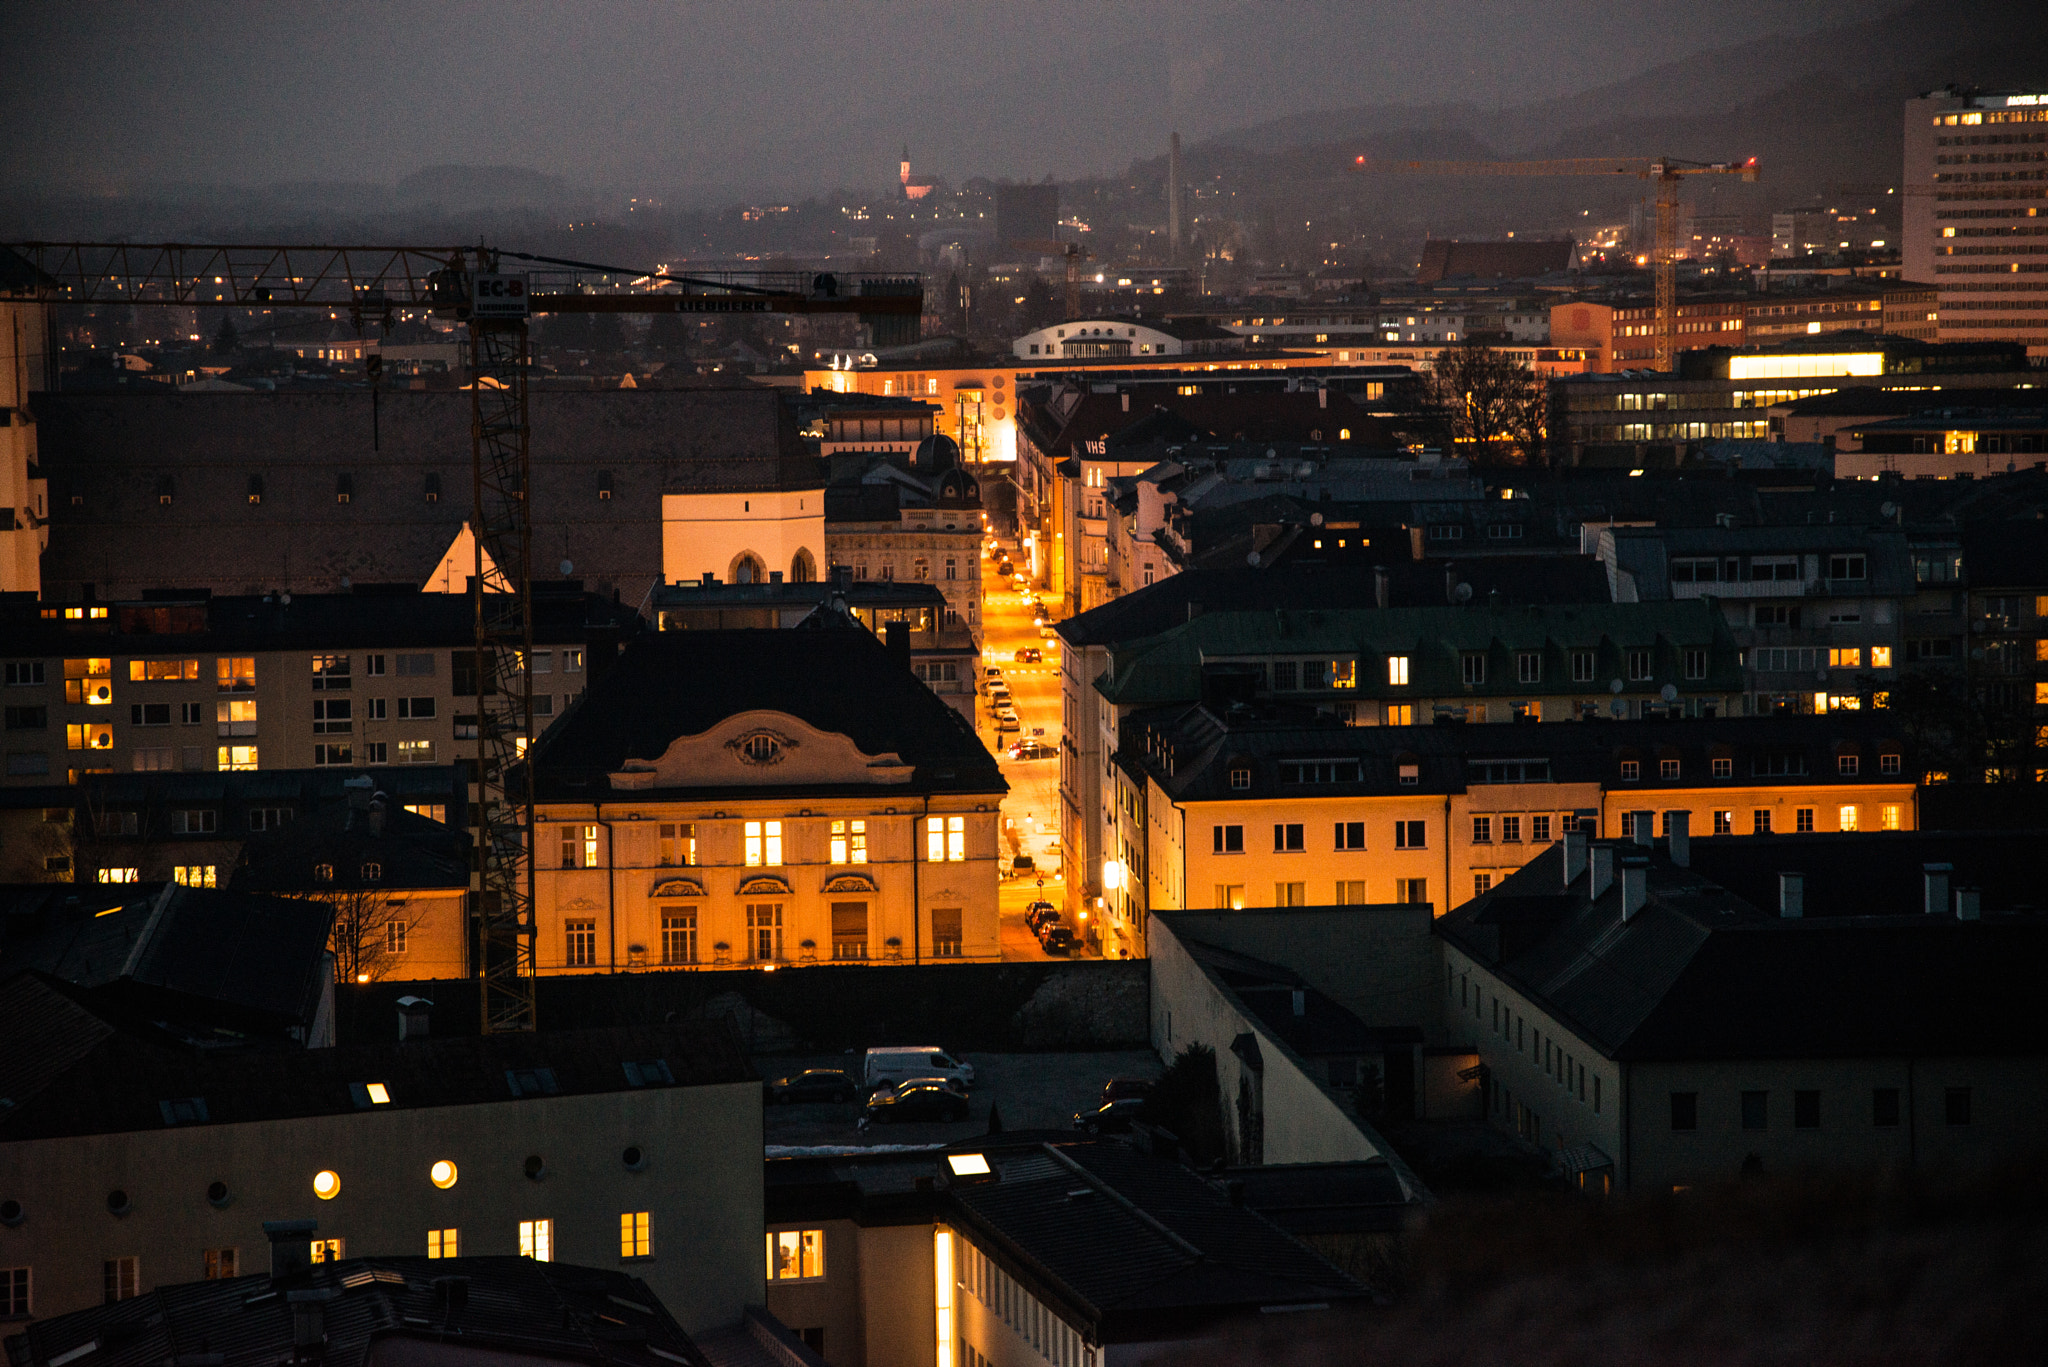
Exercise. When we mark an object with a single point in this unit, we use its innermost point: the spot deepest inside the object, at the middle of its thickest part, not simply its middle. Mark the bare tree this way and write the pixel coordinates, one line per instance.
(369, 930)
(1494, 405)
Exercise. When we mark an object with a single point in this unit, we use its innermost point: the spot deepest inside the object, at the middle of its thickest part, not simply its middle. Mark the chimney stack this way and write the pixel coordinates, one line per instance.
(1681, 839)
(1935, 887)
(1643, 825)
(1574, 855)
(1968, 904)
(1602, 877)
(291, 1246)
(1380, 593)
(1300, 1003)
(1635, 886)
(413, 1018)
(1791, 895)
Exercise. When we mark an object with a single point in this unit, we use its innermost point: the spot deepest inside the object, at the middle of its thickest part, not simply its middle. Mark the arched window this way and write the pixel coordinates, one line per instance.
(747, 568)
(802, 569)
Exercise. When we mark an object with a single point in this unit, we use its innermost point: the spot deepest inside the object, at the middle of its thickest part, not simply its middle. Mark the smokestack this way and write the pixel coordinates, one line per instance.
(1681, 838)
(1173, 201)
(1968, 904)
(1574, 855)
(1635, 886)
(1644, 827)
(1791, 895)
(1935, 888)
(1602, 876)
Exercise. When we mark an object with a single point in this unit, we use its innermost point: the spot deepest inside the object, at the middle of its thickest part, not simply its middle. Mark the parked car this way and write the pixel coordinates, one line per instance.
(1112, 1117)
(1006, 723)
(1055, 938)
(914, 1103)
(1031, 749)
(812, 1084)
(999, 692)
(1038, 913)
(1005, 568)
(1124, 1088)
(1023, 863)
(888, 1065)
(951, 1084)
(1029, 655)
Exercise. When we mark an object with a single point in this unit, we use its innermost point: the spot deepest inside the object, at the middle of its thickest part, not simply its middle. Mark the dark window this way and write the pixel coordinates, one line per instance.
(1756, 1110)
(1228, 839)
(1287, 838)
(433, 488)
(1884, 1107)
(28, 718)
(1846, 567)
(1474, 669)
(148, 714)
(1350, 835)
(1685, 1110)
(1806, 1110)
(1956, 1105)
(1409, 835)
(1319, 771)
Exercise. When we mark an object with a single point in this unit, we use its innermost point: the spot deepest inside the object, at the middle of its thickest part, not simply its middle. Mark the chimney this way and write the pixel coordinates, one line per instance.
(842, 578)
(896, 637)
(1791, 895)
(1322, 396)
(1968, 904)
(1681, 839)
(1127, 400)
(413, 1016)
(359, 791)
(1450, 584)
(1301, 997)
(1602, 877)
(710, 579)
(1635, 886)
(1935, 884)
(1574, 855)
(1380, 583)
(291, 1246)
(309, 1322)
(1644, 825)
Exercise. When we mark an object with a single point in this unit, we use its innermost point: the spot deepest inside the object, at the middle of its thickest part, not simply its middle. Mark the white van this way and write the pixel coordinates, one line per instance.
(885, 1067)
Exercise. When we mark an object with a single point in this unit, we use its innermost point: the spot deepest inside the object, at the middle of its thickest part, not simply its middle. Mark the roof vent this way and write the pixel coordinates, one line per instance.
(1969, 904)
(1934, 881)
(413, 1017)
(1791, 895)
(1678, 829)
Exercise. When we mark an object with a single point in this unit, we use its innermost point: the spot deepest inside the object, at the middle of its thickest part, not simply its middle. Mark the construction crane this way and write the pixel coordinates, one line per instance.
(1666, 172)
(483, 288)
(1075, 254)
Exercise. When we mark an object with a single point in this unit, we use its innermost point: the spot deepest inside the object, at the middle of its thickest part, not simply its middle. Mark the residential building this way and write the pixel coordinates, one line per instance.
(1235, 804)
(1976, 215)
(252, 494)
(131, 1152)
(767, 799)
(1834, 420)
(1948, 443)
(1657, 1031)
(439, 1310)
(1621, 334)
(189, 682)
(2004, 652)
(1102, 339)
(1516, 258)
(915, 519)
(24, 492)
(1037, 1249)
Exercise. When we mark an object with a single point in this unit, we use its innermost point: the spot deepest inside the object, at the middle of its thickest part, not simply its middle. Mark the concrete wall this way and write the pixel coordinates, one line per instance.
(896, 1296)
(707, 533)
(701, 1186)
(832, 1303)
(1303, 1122)
(1378, 962)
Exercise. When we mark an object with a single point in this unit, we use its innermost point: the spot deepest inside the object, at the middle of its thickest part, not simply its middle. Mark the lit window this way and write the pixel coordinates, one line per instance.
(763, 843)
(537, 1240)
(195, 875)
(798, 1255)
(222, 1264)
(123, 1279)
(633, 1235)
(1880, 657)
(678, 844)
(1397, 670)
(849, 842)
(328, 1250)
(236, 757)
(119, 875)
(442, 1243)
(379, 1094)
(1845, 657)
(1888, 818)
(946, 839)
(1848, 818)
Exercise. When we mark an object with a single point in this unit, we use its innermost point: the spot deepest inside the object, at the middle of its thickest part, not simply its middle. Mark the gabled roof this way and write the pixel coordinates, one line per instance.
(409, 853)
(444, 1312)
(70, 1067)
(682, 683)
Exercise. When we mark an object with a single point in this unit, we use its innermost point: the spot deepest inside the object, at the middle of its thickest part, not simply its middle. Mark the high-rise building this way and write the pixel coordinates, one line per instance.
(1976, 214)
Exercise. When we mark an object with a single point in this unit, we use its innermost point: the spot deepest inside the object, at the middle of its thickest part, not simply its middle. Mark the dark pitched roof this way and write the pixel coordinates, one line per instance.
(447, 1312)
(208, 960)
(1860, 873)
(1173, 600)
(120, 1080)
(1442, 260)
(408, 852)
(1700, 973)
(112, 450)
(682, 683)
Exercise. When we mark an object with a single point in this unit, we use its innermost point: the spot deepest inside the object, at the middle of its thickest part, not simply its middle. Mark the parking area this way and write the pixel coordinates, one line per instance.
(1030, 1091)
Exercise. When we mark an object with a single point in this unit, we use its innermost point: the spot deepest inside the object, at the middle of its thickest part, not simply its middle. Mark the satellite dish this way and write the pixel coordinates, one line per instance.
(1464, 593)
(1618, 708)
(1252, 559)
(1315, 519)
(1669, 693)
(287, 598)
(1887, 510)
(1614, 685)
(345, 581)
(567, 567)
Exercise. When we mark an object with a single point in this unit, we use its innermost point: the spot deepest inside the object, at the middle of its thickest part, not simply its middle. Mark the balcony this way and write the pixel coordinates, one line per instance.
(1751, 588)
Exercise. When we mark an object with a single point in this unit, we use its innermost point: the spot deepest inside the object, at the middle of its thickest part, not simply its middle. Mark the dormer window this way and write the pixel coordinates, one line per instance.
(1631, 770)
(323, 873)
(255, 489)
(433, 487)
(372, 872)
(1240, 777)
(344, 488)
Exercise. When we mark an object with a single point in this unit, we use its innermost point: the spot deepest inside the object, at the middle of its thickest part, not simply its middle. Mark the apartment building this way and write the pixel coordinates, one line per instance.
(309, 681)
(1976, 215)
(765, 799)
(1657, 1031)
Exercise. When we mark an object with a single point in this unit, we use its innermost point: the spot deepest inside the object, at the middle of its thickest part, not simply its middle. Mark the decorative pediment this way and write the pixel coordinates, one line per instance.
(764, 748)
(579, 904)
(677, 887)
(850, 882)
(764, 883)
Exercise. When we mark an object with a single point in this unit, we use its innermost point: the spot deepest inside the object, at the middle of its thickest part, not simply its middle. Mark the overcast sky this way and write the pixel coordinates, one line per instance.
(700, 98)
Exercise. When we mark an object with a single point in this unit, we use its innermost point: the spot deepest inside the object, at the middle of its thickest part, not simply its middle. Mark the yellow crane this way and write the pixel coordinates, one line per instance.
(493, 293)
(1665, 172)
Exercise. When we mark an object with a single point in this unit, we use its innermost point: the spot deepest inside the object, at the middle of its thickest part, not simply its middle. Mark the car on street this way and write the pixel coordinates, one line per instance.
(951, 1084)
(1023, 863)
(914, 1103)
(1038, 913)
(812, 1084)
(887, 1065)
(1032, 749)
(1029, 655)
(1111, 1117)
(1055, 938)
(1006, 723)
(1123, 1088)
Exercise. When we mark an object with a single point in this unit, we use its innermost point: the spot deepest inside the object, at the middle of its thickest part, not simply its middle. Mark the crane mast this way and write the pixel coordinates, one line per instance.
(373, 283)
